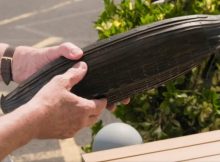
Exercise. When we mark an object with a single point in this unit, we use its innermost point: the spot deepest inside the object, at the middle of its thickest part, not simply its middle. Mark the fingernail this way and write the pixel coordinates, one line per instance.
(76, 51)
(81, 65)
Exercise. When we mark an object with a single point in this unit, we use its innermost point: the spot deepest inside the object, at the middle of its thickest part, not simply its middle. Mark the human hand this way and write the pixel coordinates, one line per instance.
(113, 106)
(59, 113)
(28, 60)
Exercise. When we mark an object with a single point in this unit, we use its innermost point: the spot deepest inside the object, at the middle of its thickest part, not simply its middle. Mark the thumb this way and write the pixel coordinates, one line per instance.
(68, 50)
(75, 74)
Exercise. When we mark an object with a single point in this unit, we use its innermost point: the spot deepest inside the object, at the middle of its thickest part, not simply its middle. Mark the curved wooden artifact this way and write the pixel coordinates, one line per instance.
(132, 62)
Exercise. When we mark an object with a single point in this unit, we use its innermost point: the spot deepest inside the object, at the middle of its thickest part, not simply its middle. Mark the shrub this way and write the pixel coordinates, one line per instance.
(118, 18)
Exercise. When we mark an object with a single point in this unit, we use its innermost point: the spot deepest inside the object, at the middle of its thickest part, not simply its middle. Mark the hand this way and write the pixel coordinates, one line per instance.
(58, 112)
(113, 107)
(28, 60)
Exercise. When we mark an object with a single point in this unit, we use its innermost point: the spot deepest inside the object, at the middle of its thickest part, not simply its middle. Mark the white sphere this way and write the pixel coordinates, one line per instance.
(116, 135)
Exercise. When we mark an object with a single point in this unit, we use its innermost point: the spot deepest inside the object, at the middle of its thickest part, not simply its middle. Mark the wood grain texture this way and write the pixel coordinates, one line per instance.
(132, 62)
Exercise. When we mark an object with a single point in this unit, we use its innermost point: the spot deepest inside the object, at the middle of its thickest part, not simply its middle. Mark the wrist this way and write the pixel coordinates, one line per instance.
(21, 65)
(30, 119)
(16, 129)
(15, 66)
(17, 56)
(34, 114)
(24, 123)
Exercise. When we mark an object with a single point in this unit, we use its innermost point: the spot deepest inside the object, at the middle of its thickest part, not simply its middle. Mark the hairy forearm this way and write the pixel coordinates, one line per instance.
(3, 47)
(16, 129)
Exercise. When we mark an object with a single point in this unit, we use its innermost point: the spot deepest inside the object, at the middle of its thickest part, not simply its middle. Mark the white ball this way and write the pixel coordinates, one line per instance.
(116, 135)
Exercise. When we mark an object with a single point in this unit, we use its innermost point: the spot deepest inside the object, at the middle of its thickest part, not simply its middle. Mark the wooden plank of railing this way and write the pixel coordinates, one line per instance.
(178, 154)
(213, 158)
(190, 147)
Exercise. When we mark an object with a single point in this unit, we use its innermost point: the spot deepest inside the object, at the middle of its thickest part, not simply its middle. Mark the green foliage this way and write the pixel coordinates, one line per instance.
(129, 14)
(189, 104)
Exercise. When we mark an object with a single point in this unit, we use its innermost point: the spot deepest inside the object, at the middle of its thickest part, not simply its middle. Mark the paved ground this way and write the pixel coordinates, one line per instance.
(29, 22)
(43, 23)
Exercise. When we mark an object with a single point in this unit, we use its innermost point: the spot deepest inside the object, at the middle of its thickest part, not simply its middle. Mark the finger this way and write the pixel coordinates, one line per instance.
(111, 107)
(71, 51)
(125, 101)
(67, 50)
(74, 75)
